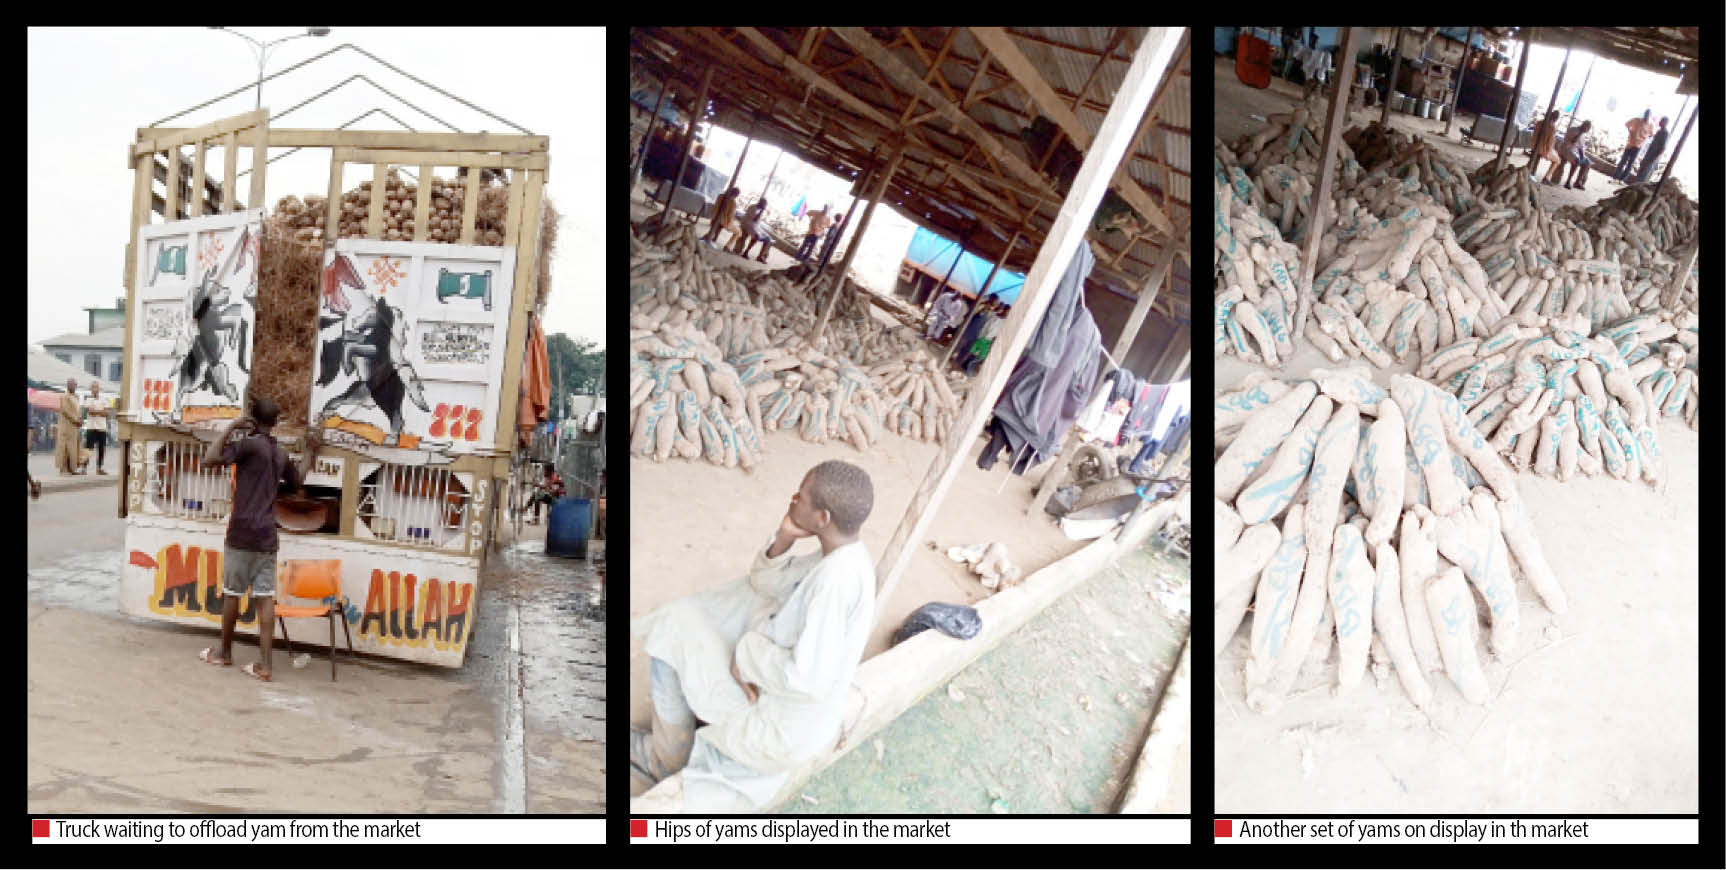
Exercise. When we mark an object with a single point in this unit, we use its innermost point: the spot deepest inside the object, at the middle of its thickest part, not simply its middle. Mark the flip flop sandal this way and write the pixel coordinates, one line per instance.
(251, 670)
(207, 655)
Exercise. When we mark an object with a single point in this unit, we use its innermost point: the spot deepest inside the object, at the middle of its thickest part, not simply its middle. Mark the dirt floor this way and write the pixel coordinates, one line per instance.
(695, 525)
(997, 738)
(1242, 110)
(1569, 724)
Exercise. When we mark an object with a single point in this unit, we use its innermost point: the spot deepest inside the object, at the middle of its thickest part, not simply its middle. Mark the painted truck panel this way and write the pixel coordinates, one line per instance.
(403, 604)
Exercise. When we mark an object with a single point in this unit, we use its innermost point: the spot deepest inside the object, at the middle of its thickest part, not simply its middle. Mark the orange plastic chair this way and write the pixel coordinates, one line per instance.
(319, 580)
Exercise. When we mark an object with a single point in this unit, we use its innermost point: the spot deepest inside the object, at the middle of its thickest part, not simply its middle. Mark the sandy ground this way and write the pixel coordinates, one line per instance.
(1569, 724)
(1050, 721)
(694, 525)
(1237, 105)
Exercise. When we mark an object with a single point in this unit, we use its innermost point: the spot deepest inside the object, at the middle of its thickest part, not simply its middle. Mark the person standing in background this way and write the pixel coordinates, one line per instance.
(1640, 129)
(1545, 137)
(30, 425)
(724, 212)
(66, 432)
(819, 220)
(1651, 154)
(96, 425)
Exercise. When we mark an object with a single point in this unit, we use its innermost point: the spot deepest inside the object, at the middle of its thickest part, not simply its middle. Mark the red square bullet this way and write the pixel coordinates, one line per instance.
(38, 827)
(1225, 827)
(638, 827)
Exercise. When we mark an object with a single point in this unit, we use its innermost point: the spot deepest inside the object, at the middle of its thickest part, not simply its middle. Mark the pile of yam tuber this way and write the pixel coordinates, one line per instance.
(720, 355)
(1348, 511)
(307, 217)
(1552, 329)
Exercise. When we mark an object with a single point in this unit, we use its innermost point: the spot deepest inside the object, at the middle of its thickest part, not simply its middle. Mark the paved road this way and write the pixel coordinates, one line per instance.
(123, 718)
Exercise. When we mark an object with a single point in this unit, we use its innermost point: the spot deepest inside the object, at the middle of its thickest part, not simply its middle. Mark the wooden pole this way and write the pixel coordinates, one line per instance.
(747, 139)
(1673, 160)
(1147, 296)
(857, 241)
(1150, 62)
(1515, 97)
(1562, 66)
(978, 302)
(1580, 91)
(689, 135)
(1461, 73)
(641, 156)
(950, 270)
(1395, 70)
(1327, 171)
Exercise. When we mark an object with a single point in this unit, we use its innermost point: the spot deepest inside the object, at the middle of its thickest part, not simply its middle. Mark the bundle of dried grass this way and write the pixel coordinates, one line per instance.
(287, 334)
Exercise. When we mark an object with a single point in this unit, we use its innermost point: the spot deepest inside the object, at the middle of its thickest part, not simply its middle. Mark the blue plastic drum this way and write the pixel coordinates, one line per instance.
(567, 526)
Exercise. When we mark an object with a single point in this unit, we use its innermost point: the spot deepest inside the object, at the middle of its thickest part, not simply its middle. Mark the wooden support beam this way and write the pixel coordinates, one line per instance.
(1461, 73)
(856, 242)
(934, 72)
(1334, 120)
(1562, 66)
(1149, 780)
(422, 202)
(1395, 70)
(231, 165)
(1121, 172)
(1515, 97)
(171, 209)
(260, 163)
(1001, 46)
(285, 137)
(647, 140)
(198, 179)
(696, 111)
(811, 77)
(978, 302)
(811, 41)
(1153, 286)
(1058, 249)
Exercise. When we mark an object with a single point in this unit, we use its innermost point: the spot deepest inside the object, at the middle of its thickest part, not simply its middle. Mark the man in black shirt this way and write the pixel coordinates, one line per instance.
(249, 551)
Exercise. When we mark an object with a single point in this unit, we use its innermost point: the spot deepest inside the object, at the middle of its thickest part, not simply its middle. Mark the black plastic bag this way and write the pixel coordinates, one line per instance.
(953, 620)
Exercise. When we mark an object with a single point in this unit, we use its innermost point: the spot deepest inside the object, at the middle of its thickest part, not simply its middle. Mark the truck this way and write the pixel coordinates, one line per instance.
(416, 373)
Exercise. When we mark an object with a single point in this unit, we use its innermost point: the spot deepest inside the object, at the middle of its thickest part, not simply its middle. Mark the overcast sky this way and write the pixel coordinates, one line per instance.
(90, 89)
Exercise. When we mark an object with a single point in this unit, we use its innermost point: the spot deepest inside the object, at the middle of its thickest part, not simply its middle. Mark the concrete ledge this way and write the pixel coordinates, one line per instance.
(894, 681)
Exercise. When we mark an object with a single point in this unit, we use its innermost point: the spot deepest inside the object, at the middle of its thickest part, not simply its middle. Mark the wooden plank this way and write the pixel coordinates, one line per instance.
(1515, 97)
(171, 209)
(422, 203)
(1122, 173)
(902, 78)
(1149, 780)
(512, 218)
(811, 39)
(470, 207)
(230, 167)
(1395, 67)
(151, 140)
(526, 269)
(1338, 115)
(810, 76)
(895, 680)
(198, 179)
(283, 137)
(1059, 247)
(260, 163)
(443, 158)
(1142, 307)
(375, 210)
(856, 242)
(971, 90)
(333, 205)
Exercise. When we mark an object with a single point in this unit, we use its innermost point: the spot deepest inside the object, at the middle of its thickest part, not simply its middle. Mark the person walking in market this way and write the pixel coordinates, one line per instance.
(724, 212)
(1640, 129)
(1544, 145)
(819, 221)
(30, 424)
(249, 549)
(1651, 154)
(66, 431)
(96, 412)
(750, 678)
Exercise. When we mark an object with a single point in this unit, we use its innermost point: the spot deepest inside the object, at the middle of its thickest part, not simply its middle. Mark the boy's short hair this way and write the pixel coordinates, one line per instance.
(844, 491)
(265, 411)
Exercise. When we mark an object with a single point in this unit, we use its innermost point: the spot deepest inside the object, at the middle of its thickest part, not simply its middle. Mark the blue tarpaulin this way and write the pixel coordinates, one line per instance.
(934, 254)
(667, 112)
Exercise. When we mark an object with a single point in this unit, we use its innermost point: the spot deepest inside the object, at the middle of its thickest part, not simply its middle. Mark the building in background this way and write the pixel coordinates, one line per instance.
(99, 353)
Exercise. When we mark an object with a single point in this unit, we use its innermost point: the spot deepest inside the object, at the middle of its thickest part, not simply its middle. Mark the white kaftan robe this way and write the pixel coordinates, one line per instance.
(796, 626)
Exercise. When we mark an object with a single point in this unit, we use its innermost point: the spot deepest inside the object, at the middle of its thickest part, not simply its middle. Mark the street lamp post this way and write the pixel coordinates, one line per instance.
(264, 51)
